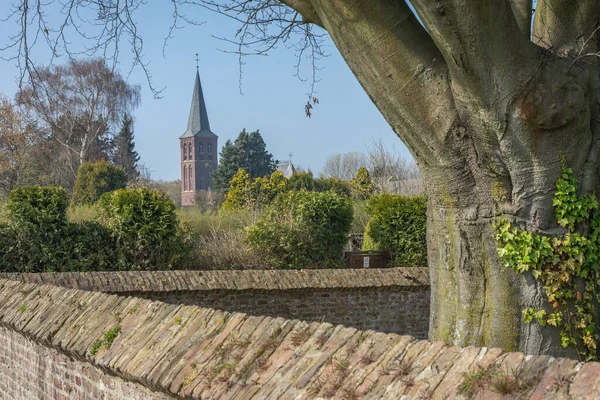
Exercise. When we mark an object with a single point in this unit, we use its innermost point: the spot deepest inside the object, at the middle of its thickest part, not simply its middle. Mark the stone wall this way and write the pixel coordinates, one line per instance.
(392, 300)
(48, 334)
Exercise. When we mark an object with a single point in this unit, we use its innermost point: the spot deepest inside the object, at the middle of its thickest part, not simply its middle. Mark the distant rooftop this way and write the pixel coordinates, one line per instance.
(286, 168)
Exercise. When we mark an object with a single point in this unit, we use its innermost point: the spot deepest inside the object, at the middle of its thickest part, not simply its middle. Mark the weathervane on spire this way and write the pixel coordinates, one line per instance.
(197, 61)
(290, 156)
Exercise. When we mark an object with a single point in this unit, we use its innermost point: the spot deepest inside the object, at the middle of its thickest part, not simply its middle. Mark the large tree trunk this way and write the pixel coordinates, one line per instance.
(487, 114)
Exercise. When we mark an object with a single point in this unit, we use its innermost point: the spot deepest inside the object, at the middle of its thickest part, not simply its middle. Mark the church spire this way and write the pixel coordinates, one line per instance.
(198, 119)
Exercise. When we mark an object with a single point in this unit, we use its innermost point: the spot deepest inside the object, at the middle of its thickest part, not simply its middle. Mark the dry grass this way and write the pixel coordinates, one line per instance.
(223, 249)
(82, 213)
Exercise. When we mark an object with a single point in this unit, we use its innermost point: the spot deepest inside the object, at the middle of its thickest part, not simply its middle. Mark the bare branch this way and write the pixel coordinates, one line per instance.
(106, 25)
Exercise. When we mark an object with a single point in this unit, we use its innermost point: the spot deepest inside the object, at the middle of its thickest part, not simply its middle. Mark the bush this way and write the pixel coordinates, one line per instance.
(245, 194)
(91, 247)
(36, 227)
(398, 224)
(333, 184)
(95, 179)
(301, 181)
(37, 208)
(303, 229)
(145, 228)
(362, 187)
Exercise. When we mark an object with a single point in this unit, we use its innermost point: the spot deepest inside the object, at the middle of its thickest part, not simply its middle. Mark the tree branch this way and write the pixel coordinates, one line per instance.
(487, 54)
(399, 67)
(566, 25)
(522, 10)
(306, 9)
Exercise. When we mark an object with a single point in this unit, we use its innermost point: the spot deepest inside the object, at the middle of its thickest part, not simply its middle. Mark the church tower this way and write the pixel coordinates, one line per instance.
(198, 149)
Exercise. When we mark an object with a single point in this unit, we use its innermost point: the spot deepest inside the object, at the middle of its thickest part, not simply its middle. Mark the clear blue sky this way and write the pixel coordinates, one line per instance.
(273, 100)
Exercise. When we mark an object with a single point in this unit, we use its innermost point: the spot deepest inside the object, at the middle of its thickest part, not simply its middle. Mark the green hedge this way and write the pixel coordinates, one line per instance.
(303, 230)
(95, 179)
(144, 226)
(138, 230)
(36, 229)
(398, 224)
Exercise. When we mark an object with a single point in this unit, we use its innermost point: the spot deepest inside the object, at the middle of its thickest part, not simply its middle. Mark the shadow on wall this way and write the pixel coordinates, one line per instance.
(386, 309)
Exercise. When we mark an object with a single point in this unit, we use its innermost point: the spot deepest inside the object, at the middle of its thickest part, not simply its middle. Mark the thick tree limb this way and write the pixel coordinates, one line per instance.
(566, 25)
(306, 9)
(522, 9)
(398, 65)
(486, 52)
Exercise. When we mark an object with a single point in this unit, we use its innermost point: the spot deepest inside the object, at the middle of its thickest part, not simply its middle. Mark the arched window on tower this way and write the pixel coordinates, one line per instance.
(185, 181)
(190, 186)
(209, 149)
(185, 151)
(201, 149)
(190, 151)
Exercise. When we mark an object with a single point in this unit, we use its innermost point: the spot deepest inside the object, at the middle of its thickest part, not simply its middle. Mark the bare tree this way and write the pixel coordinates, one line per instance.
(484, 101)
(18, 140)
(389, 165)
(79, 103)
(343, 166)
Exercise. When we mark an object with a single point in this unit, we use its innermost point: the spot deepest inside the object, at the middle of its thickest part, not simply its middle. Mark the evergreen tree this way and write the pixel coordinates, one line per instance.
(248, 152)
(125, 155)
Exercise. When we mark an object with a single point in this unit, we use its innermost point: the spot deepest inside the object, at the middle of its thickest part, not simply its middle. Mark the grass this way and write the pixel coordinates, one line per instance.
(204, 223)
(106, 340)
(514, 383)
(473, 382)
(300, 336)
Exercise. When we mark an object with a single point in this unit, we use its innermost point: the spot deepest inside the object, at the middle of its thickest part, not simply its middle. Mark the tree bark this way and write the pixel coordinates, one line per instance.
(486, 114)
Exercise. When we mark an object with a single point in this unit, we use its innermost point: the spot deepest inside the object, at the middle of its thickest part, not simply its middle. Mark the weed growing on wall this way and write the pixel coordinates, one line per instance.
(106, 340)
(567, 266)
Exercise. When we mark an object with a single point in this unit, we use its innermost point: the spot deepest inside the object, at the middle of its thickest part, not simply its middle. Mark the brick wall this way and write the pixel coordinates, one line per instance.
(188, 352)
(383, 309)
(30, 371)
(394, 300)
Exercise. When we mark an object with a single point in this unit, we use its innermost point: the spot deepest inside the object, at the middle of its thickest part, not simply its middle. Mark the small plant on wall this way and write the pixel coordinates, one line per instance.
(568, 266)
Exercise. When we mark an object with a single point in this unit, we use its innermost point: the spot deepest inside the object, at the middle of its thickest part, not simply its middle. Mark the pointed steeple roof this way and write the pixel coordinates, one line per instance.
(198, 124)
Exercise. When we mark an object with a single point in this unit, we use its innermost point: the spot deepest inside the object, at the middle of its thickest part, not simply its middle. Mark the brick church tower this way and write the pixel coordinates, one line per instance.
(198, 149)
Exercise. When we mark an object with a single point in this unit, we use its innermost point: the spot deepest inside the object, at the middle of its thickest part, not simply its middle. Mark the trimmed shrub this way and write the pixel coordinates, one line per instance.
(91, 247)
(9, 260)
(145, 229)
(303, 229)
(36, 224)
(95, 179)
(398, 224)
(37, 208)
